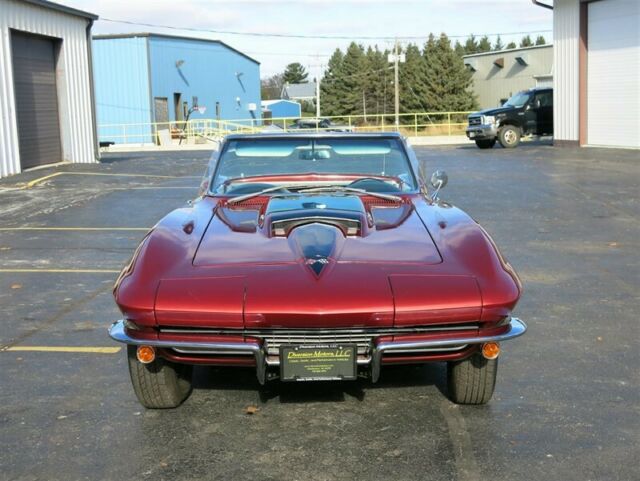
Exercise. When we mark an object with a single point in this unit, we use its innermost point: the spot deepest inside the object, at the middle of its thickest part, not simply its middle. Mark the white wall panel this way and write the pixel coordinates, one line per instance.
(613, 79)
(566, 36)
(73, 81)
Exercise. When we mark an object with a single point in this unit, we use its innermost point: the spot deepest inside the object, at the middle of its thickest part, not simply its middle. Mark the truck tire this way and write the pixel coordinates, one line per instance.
(509, 136)
(471, 381)
(485, 143)
(160, 384)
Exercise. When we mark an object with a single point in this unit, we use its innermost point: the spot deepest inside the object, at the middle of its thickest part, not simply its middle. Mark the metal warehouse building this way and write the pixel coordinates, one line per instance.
(596, 72)
(498, 75)
(46, 99)
(146, 78)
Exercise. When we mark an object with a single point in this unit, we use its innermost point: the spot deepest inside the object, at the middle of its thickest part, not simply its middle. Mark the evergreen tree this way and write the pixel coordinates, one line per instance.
(353, 79)
(413, 81)
(448, 80)
(330, 87)
(295, 73)
(344, 82)
(459, 49)
(511, 45)
(540, 40)
(526, 41)
(379, 90)
(498, 45)
(484, 45)
(471, 45)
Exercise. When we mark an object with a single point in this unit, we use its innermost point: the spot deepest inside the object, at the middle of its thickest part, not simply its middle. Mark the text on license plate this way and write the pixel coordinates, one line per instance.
(325, 362)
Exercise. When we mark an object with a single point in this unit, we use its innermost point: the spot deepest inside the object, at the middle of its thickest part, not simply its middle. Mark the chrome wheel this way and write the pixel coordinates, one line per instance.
(509, 136)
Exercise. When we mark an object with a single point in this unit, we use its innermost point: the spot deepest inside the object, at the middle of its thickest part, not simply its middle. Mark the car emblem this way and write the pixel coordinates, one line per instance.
(316, 244)
(317, 264)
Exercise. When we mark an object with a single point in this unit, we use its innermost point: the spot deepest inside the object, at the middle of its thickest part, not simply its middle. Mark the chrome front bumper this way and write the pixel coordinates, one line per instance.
(482, 131)
(118, 333)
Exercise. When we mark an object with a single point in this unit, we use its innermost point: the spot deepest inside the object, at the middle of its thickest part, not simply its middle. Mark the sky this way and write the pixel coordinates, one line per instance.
(375, 19)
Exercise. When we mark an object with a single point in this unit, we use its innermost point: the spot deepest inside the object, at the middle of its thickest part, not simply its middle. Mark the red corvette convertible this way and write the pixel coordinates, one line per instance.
(315, 257)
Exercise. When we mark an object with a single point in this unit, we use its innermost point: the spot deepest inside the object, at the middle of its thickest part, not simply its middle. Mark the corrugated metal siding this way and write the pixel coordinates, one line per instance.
(492, 83)
(209, 71)
(613, 81)
(121, 69)
(566, 37)
(73, 82)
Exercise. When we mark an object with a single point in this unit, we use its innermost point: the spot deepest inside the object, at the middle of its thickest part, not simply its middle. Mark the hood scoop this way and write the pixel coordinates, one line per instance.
(345, 213)
(317, 244)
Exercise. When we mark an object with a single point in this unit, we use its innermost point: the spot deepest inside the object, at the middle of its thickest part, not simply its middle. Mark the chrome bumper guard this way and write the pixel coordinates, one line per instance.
(118, 333)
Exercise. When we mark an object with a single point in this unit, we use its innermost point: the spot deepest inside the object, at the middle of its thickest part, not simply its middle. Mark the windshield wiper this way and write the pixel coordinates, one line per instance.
(338, 188)
(244, 197)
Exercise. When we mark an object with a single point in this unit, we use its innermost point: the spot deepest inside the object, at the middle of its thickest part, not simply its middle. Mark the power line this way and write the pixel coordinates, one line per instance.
(315, 37)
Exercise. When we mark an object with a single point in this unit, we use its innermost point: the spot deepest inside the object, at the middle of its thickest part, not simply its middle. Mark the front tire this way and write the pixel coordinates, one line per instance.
(509, 136)
(485, 143)
(472, 380)
(160, 384)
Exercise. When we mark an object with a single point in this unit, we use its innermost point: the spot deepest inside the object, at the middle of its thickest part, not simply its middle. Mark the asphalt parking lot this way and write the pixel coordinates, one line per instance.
(567, 403)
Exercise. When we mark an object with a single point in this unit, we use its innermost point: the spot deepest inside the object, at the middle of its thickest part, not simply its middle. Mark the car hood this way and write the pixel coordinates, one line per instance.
(316, 261)
(305, 230)
(494, 111)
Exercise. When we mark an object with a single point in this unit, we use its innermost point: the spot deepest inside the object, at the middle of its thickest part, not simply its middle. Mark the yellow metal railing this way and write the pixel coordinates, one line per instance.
(411, 125)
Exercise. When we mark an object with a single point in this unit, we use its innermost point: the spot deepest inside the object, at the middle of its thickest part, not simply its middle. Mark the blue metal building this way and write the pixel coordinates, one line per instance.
(146, 77)
(281, 108)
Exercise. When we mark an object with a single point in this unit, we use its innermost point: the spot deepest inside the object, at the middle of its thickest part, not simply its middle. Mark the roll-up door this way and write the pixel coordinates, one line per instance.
(613, 79)
(36, 99)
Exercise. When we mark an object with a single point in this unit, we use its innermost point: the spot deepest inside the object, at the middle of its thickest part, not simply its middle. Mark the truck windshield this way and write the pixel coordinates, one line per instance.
(518, 100)
(244, 158)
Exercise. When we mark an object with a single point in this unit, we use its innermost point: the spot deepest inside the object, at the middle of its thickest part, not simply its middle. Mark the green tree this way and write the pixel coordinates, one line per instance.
(295, 73)
(484, 45)
(471, 45)
(353, 79)
(459, 49)
(331, 88)
(413, 81)
(379, 89)
(448, 80)
(526, 41)
(540, 40)
(498, 45)
(511, 45)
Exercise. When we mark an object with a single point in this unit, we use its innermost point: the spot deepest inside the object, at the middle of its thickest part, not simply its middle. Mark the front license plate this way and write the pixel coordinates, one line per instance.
(326, 362)
(472, 135)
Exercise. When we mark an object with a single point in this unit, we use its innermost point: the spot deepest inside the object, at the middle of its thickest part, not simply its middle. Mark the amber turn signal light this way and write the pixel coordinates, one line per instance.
(490, 350)
(146, 354)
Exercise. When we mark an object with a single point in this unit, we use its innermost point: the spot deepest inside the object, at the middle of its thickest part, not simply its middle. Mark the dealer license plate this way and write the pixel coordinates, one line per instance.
(322, 362)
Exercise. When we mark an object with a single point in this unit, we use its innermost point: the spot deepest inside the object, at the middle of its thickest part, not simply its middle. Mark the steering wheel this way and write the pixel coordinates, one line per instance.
(371, 184)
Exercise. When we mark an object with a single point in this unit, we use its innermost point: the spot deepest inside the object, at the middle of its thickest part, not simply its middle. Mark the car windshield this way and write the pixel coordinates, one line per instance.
(518, 100)
(244, 158)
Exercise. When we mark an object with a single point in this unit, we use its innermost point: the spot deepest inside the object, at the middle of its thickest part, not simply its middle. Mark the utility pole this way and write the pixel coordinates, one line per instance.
(364, 106)
(396, 58)
(318, 97)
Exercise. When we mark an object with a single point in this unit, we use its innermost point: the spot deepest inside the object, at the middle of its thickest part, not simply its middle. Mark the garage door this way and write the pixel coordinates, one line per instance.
(613, 65)
(34, 77)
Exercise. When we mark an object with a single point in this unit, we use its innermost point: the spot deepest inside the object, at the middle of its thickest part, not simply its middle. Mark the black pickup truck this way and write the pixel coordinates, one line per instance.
(529, 112)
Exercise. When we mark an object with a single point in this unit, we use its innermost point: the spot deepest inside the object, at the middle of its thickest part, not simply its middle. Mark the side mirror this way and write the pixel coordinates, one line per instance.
(439, 180)
(535, 104)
